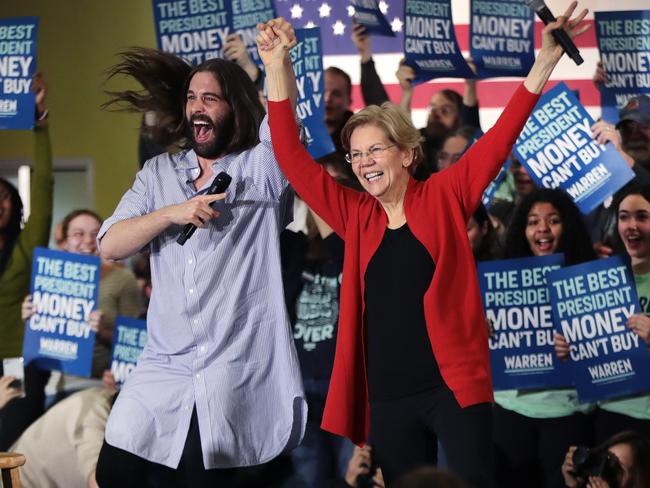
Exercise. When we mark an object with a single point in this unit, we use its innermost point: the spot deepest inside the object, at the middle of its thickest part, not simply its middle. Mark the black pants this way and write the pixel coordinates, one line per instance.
(404, 434)
(117, 468)
(608, 423)
(530, 452)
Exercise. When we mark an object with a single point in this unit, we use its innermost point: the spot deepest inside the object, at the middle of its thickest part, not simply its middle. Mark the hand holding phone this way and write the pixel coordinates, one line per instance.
(12, 381)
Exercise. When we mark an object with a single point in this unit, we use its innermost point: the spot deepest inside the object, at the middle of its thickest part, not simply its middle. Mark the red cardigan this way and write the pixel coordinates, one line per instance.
(437, 212)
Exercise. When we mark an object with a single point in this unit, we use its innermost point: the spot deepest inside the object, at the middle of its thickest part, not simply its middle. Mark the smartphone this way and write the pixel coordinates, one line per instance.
(15, 367)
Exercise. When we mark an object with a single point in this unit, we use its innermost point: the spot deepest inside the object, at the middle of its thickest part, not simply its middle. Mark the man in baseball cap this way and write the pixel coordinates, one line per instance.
(634, 126)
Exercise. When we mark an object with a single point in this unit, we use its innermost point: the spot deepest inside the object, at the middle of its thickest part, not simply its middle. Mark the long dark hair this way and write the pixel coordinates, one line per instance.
(640, 447)
(574, 242)
(489, 248)
(11, 232)
(165, 79)
(630, 189)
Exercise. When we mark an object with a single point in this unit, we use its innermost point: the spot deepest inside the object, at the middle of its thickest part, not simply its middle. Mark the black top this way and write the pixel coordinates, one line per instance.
(311, 287)
(400, 361)
(312, 277)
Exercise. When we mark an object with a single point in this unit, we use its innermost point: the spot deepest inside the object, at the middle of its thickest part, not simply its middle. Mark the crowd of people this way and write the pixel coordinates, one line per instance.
(287, 330)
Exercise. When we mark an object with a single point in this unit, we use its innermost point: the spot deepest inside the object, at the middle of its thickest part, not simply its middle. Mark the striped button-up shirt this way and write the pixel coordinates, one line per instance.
(218, 333)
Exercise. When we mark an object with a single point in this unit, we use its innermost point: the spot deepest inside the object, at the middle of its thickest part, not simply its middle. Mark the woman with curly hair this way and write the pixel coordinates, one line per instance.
(533, 429)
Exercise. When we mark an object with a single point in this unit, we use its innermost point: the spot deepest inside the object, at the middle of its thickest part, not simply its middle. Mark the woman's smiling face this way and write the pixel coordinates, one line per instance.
(634, 225)
(543, 229)
(379, 164)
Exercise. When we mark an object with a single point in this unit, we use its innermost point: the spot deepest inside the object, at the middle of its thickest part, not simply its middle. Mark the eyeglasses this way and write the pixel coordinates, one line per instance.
(374, 152)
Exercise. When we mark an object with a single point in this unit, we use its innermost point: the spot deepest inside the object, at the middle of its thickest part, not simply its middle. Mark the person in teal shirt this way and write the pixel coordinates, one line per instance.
(534, 429)
(632, 208)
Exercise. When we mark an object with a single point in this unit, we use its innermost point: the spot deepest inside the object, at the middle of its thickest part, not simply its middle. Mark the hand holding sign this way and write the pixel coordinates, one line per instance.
(405, 75)
(361, 40)
(640, 325)
(604, 132)
(561, 346)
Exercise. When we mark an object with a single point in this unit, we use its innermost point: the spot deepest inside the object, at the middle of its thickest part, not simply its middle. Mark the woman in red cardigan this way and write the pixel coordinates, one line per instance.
(412, 361)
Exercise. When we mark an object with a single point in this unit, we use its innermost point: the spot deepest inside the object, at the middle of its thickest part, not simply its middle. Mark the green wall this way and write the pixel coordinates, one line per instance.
(77, 41)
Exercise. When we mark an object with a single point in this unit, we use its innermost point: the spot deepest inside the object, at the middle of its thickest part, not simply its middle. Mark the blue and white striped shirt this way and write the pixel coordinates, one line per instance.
(218, 333)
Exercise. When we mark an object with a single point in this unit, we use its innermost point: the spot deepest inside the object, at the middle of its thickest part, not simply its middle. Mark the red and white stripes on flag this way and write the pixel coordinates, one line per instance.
(493, 93)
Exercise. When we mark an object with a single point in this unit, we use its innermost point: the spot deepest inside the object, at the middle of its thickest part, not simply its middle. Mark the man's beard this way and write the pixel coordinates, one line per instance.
(639, 150)
(221, 135)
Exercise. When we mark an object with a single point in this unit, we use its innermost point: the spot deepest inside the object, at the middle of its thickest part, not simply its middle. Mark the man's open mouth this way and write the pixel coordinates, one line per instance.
(202, 130)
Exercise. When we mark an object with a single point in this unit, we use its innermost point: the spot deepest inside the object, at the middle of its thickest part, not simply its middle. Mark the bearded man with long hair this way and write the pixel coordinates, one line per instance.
(217, 386)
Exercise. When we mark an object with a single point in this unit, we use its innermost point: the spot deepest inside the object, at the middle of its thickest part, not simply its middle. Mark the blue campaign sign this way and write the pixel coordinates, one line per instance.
(368, 14)
(623, 40)
(196, 30)
(558, 151)
(307, 59)
(501, 37)
(517, 306)
(591, 303)
(129, 338)
(17, 67)
(64, 291)
(430, 43)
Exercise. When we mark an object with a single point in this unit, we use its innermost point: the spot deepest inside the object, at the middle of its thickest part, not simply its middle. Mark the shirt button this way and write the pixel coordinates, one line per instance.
(202, 348)
(187, 407)
(198, 375)
(189, 261)
(196, 321)
(191, 290)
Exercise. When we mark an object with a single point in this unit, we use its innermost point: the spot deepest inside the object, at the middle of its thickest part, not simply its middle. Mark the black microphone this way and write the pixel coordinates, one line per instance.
(560, 35)
(219, 185)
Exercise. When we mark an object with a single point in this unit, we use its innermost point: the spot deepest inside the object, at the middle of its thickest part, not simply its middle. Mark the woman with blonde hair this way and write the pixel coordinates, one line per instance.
(412, 360)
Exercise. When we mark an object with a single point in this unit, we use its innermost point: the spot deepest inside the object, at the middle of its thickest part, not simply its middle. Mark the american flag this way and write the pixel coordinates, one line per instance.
(334, 18)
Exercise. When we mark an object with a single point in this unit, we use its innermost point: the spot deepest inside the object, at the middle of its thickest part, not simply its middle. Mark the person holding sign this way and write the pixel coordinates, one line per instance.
(632, 207)
(17, 243)
(118, 294)
(533, 429)
(217, 387)
(412, 359)
(448, 111)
